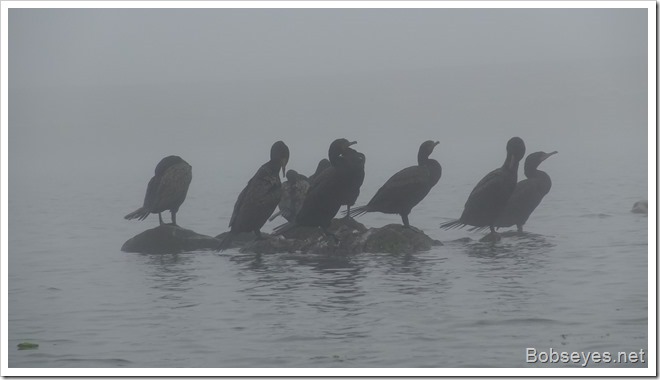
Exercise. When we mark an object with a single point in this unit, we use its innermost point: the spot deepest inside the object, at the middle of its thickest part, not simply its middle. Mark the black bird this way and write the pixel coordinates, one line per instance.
(355, 165)
(323, 164)
(487, 200)
(528, 193)
(323, 198)
(405, 189)
(166, 190)
(260, 196)
(293, 194)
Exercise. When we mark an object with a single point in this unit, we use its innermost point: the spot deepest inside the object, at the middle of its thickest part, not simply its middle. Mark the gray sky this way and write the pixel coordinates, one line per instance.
(108, 46)
(108, 92)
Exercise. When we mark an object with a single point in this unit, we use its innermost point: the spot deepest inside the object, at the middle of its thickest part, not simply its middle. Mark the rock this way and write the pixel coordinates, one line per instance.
(395, 238)
(168, 238)
(491, 238)
(241, 239)
(353, 237)
(641, 207)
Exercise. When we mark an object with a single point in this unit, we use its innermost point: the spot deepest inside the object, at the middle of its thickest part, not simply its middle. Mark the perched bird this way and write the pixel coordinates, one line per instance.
(166, 190)
(355, 168)
(323, 198)
(293, 194)
(323, 164)
(488, 199)
(260, 196)
(528, 193)
(405, 189)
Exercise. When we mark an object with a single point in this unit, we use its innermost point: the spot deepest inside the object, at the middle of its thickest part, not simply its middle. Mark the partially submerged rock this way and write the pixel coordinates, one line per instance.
(168, 238)
(395, 238)
(641, 207)
(353, 237)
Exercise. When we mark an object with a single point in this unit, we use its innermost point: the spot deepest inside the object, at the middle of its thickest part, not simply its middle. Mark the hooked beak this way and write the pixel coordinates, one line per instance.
(352, 143)
(284, 162)
(548, 155)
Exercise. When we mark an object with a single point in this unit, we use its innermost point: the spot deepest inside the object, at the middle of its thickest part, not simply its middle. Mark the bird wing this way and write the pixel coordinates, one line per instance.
(237, 205)
(488, 198)
(261, 191)
(321, 200)
(408, 186)
(521, 204)
(173, 187)
(151, 194)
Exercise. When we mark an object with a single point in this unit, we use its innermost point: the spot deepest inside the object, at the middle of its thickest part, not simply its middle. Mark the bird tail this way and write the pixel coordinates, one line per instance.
(224, 243)
(275, 215)
(453, 224)
(140, 214)
(286, 214)
(279, 230)
(357, 211)
(478, 228)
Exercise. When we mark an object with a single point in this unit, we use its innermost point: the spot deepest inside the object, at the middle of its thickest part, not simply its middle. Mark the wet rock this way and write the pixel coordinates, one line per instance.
(641, 207)
(492, 237)
(353, 237)
(395, 238)
(241, 239)
(168, 238)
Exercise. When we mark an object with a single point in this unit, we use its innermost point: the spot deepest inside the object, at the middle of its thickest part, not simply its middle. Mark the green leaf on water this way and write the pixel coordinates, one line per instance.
(27, 346)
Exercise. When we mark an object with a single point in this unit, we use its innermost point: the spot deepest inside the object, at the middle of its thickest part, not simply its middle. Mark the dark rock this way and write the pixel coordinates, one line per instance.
(491, 238)
(395, 238)
(168, 238)
(641, 207)
(353, 237)
(241, 239)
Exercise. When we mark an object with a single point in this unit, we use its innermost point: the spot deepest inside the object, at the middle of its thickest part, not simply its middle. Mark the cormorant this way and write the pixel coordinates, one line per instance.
(487, 200)
(405, 189)
(166, 190)
(293, 194)
(323, 197)
(355, 165)
(260, 196)
(528, 193)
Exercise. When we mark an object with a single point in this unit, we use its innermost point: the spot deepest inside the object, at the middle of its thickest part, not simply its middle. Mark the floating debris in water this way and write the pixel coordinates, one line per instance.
(27, 346)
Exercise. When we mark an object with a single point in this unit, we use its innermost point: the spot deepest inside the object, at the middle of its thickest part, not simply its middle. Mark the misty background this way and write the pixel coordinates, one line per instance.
(101, 95)
(97, 97)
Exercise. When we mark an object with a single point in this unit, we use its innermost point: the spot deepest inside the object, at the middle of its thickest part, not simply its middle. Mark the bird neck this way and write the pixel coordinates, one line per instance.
(422, 158)
(535, 173)
(434, 169)
(273, 166)
(511, 163)
(334, 158)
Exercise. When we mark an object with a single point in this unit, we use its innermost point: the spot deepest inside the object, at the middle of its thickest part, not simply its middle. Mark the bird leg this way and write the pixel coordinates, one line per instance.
(406, 224)
(259, 235)
(173, 218)
(348, 213)
(160, 219)
(492, 236)
(520, 229)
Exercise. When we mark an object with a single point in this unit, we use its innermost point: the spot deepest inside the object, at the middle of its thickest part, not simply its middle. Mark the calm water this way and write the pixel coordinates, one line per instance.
(576, 282)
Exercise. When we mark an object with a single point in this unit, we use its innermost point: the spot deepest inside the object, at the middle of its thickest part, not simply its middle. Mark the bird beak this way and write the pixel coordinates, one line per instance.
(548, 155)
(436, 143)
(284, 162)
(352, 143)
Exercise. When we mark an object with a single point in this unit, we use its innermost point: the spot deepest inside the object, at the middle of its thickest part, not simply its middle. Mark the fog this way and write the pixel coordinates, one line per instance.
(102, 94)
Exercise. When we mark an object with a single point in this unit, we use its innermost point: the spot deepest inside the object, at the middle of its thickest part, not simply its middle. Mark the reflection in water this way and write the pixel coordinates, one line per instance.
(509, 268)
(173, 275)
